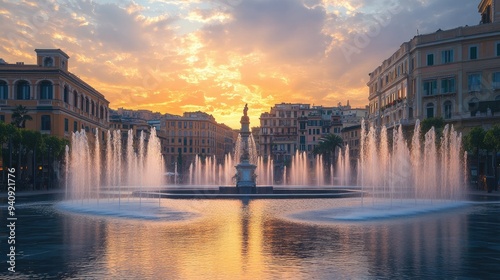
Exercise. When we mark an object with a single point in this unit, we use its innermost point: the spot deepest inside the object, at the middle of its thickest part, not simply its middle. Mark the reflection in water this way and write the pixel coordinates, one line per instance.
(236, 239)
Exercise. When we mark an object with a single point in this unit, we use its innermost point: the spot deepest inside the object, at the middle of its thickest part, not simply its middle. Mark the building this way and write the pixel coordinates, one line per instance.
(453, 74)
(192, 134)
(351, 136)
(58, 101)
(288, 128)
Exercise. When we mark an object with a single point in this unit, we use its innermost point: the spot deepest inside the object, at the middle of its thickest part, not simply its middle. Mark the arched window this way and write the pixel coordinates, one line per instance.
(22, 90)
(46, 90)
(4, 90)
(75, 99)
(66, 94)
(101, 115)
(82, 102)
(92, 107)
(430, 110)
(447, 108)
(87, 105)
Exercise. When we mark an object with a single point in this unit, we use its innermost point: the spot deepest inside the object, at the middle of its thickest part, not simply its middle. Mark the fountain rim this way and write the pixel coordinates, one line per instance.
(295, 192)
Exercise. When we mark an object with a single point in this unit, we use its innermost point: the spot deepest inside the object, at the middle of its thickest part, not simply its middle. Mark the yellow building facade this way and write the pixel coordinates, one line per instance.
(58, 101)
(453, 74)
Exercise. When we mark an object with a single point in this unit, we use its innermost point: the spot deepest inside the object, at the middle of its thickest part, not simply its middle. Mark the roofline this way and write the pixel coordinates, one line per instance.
(52, 50)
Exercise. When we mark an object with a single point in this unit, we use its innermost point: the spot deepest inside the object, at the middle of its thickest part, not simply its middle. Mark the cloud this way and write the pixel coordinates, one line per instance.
(216, 55)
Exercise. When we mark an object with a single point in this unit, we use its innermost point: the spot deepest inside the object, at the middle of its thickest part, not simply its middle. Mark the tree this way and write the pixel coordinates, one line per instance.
(492, 143)
(20, 116)
(31, 140)
(427, 124)
(474, 142)
(327, 145)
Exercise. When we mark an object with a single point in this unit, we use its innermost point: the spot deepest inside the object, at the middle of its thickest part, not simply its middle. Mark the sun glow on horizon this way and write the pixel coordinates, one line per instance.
(213, 56)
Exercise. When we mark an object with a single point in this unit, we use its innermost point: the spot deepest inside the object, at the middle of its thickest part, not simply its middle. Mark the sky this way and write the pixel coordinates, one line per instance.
(175, 56)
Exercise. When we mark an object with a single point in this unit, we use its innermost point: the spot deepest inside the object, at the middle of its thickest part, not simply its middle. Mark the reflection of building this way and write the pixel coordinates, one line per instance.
(58, 101)
(453, 74)
(195, 133)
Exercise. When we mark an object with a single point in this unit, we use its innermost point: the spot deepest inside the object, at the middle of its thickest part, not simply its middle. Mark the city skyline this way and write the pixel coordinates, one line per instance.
(215, 56)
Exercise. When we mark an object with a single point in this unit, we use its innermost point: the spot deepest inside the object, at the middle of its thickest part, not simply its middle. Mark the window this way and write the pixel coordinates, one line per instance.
(430, 110)
(66, 95)
(473, 106)
(75, 126)
(48, 62)
(23, 90)
(4, 93)
(46, 90)
(447, 109)
(473, 52)
(498, 49)
(87, 106)
(447, 56)
(2, 118)
(75, 99)
(495, 80)
(497, 98)
(45, 122)
(448, 85)
(474, 82)
(430, 87)
(430, 59)
(66, 125)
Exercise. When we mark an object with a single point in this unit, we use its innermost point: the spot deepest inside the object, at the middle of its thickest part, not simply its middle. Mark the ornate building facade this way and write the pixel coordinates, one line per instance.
(58, 101)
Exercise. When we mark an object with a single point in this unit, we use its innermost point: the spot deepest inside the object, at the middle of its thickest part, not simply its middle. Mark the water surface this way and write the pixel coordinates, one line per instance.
(256, 239)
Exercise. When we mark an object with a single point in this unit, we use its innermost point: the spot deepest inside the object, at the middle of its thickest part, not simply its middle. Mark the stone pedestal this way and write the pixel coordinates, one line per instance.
(245, 175)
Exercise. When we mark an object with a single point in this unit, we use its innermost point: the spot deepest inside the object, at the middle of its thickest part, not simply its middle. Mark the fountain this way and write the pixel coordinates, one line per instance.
(245, 170)
(390, 172)
(403, 179)
(104, 182)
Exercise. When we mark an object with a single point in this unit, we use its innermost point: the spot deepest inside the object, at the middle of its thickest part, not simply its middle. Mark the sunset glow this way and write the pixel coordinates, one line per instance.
(216, 55)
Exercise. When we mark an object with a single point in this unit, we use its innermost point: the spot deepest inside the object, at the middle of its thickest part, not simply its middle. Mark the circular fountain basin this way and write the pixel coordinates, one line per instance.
(296, 192)
(126, 208)
(380, 210)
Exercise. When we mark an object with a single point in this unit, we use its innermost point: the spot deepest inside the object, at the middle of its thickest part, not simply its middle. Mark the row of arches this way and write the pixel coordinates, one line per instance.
(45, 89)
(84, 103)
(22, 90)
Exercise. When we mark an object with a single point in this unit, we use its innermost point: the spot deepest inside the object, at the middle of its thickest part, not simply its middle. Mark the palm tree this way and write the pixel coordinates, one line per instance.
(327, 145)
(20, 116)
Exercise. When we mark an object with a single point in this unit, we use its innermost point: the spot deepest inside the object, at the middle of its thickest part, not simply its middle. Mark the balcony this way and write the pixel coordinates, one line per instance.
(44, 103)
(484, 108)
(474, 88)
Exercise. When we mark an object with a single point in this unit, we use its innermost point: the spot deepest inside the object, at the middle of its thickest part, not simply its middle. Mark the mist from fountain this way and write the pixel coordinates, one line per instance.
(400, 171)
(124, 169)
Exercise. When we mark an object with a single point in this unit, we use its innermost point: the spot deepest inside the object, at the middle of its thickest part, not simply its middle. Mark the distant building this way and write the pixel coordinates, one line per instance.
(58, 101)
(453, 74)
(290, 127)
(351, 136)
(195, 133)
